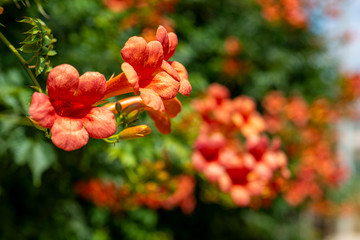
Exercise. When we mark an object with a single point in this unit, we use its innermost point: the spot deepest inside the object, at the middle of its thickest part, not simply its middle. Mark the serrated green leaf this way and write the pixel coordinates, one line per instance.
(40, 65)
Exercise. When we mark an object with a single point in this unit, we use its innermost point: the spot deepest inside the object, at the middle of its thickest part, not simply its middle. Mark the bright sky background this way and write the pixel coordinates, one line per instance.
(348, 22)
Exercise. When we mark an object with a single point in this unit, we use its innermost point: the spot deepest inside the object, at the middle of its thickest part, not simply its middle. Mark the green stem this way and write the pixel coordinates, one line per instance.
(22, 61)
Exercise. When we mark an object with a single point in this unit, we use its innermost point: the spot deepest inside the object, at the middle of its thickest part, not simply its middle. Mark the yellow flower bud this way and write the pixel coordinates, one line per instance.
(135, 132)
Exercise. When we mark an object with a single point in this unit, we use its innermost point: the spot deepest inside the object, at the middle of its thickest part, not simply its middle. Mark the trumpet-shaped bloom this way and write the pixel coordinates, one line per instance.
(146, 70)
(68, 109)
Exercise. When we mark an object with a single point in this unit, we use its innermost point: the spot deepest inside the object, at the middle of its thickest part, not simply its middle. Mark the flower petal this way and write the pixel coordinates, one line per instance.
(155, 57)
(164, 85)
(135, 52)
(163, 37)
(69, 134)
(152, 99)
(62, 82)
(185, 87)
(162, 122)
(131, 76)
(41, 110)
(173, 44)
(91, 88)
(100, 123)
(172, 107)
(120, 84)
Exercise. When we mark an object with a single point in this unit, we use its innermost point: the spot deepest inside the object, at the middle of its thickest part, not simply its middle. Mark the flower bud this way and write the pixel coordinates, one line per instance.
(135, 132)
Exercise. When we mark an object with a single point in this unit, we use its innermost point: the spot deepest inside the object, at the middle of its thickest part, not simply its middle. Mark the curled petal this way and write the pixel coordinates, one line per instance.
(173, 44)
(69, 134)
(62, 82)
(41, 110)
(152, 99)
(135, 52)
(100, 123)
(162, 122)
(163, 38)
(170, 70)
(185, 87)
(164, 85)
(131, 76)
(155, 57)
(91, 88)
(172, 107)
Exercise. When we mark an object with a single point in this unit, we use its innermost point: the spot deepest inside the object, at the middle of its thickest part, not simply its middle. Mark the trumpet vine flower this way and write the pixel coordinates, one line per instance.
(68, 109)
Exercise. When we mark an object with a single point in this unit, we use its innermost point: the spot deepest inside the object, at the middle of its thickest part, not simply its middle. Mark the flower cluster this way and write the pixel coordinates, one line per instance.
(145, 13)
(71, 108)
(291, 11)
(244, 170)
(154, 188)
(309, 136)
(233, 48)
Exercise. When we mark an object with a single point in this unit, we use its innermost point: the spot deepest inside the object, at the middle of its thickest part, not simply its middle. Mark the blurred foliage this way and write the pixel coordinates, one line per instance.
(37, 200)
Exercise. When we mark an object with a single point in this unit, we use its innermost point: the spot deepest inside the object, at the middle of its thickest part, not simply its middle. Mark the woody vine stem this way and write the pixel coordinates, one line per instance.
(22, 61)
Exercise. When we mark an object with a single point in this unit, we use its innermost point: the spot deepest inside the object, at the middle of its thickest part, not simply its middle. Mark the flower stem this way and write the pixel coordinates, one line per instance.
(22, 61)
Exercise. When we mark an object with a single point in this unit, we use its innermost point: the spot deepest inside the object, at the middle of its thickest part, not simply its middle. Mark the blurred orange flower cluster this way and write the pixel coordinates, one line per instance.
(291, 11)
(154, 188)
(147, 14)
(233, 48)
(242, 170)
(308, 133)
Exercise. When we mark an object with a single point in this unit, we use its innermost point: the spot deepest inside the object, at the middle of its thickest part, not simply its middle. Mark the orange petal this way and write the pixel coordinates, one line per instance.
(100, 123)
(69, 134)
(91, 88)
(41, 110)
(131, 76)
(62, 82)
(172, 107)
(164, 85)
(152, 99)
(161, 121)
(155, 57)
(173, 44)
(163, 38)
(135, 52)
(185, 87)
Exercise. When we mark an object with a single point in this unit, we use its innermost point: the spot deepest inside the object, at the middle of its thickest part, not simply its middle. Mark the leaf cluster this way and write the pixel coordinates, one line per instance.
(39, 43)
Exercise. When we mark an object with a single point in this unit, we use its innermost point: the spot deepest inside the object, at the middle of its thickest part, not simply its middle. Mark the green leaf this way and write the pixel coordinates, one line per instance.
(42, 158)
(40, 65)
(51, 53)
(29, 48)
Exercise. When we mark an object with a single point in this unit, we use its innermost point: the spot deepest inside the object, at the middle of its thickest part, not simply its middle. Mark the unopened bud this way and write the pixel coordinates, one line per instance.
(135, 132)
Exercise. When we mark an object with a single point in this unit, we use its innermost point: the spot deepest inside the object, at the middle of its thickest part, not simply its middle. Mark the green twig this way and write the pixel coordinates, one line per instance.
(22, 61)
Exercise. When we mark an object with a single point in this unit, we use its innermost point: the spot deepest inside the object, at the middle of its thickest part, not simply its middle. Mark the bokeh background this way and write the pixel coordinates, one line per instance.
(296, 61)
